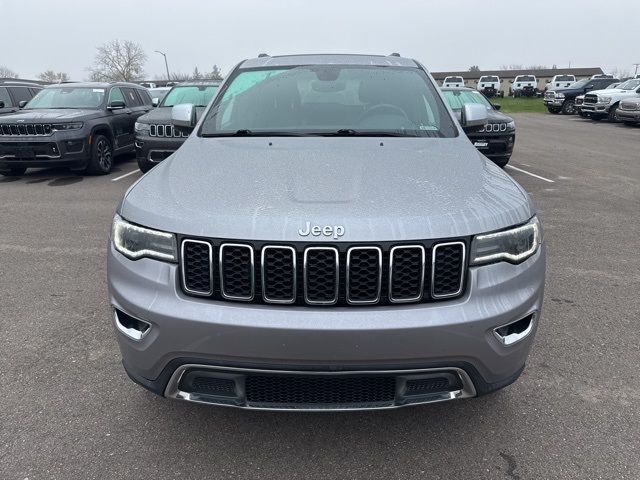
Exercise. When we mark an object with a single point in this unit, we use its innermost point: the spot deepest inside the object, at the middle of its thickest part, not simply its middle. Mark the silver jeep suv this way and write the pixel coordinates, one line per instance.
(326, 238)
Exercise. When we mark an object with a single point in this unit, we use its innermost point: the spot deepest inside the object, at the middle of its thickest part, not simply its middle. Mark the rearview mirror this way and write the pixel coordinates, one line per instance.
(473, 116)
(497, 106)
(22, 103)
(183, 117)
(155, 101)
(116, 105)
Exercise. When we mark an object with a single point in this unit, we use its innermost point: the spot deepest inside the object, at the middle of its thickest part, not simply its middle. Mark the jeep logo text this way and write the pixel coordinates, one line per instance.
(335, 231)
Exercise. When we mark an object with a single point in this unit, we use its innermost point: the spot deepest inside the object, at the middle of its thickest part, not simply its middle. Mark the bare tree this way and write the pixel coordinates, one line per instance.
(538, 67)
(215, 74)
(196, 75)
(7, 72)
(119, 61)
(50, 76)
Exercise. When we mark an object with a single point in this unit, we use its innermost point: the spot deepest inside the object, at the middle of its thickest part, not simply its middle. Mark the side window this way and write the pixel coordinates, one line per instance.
(4, 97)
(131, 97)
(145, 97)
(34, 91)
(20, 94)
(115, 95)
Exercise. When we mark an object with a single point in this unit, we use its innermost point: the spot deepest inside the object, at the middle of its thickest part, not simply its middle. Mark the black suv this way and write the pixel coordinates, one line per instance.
(77, 125)
(497, 138)
(14, 95)
(156, 139)
(564, 99)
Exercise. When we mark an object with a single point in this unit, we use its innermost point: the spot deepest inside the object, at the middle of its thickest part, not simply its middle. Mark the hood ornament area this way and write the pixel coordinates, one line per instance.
(335, 231)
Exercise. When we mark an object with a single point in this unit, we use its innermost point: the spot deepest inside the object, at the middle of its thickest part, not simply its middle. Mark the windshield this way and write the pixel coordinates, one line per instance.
(526, 78)
(457, 98)
(580, 83)
(329, 99)
(198, 95)
(67, 97)
(613, 85)
(158, 93)
(565, 78)
(489, 79)
(629, 84)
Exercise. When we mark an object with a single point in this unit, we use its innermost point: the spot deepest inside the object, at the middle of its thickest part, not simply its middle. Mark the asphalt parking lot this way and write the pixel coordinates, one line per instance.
(68, 411)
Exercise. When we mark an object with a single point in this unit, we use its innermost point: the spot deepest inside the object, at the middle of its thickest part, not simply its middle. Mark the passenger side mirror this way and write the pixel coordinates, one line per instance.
(497, 106)
(183, 117)
(116, 105)
(548, 81)
(22, 103)
(155, 101)
(473, 117)
(510, 81)
(1, 104)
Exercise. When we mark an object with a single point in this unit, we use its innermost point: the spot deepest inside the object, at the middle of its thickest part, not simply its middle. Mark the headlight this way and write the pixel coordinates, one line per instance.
(67, 126)
(605, 99)
(514, 245)
(559, 95)
(511, 125)
(141, 127)
(136, 242)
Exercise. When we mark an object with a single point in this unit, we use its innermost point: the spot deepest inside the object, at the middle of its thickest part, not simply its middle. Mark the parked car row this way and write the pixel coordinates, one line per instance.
(83, 126)
(598, 98)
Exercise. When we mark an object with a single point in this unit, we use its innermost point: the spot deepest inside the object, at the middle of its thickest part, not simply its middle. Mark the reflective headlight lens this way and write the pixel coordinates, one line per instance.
(559, 95)
(141, 127)
(511, 125)
(67, 126)
(514, 245)
(136, 242)
(605, 99)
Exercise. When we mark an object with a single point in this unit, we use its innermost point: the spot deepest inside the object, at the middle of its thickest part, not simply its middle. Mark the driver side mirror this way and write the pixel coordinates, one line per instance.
(155, 101)
(22, 103)
(473, 117)
(496, 106)
(116, 105)
(588, 87)
(548, 81)
(1, 104)
(183, 117)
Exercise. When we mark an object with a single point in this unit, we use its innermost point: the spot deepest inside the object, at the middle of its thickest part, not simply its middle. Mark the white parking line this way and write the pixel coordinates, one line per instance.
(123, 176)
(531, 174)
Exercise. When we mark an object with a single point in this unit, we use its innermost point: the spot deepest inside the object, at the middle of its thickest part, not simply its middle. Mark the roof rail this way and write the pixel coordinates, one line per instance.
(262, 55)
(394, 54)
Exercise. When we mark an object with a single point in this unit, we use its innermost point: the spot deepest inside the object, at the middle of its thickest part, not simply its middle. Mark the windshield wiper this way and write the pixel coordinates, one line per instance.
(249, 133)
(350, 132)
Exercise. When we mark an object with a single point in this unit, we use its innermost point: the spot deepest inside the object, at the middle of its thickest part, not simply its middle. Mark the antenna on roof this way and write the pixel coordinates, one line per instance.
(262, 55)
(394, 54)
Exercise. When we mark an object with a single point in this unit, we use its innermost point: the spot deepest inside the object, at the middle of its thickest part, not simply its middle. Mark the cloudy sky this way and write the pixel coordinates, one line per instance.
(445, 35)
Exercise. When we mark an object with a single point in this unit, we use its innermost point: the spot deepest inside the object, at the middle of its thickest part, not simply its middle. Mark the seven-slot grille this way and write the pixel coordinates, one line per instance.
(165, 131)
(313, 274)
(494, 127)
(25, 129)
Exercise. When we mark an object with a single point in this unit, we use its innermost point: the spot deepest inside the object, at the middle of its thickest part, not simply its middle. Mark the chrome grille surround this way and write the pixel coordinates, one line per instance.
(263, 255)
(494, 127)
(26, 129)
(166, 131)
(421, 249)
(183, 268)
(306, 276)
(434, 252)
(375, 299)
(221, 265)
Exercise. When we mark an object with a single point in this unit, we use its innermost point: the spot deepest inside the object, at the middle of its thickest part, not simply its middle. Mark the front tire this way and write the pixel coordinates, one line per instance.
(13, 171)
(501, 162)
(144, 164)
(101, 161)
(630, 124)
(613, 114)
(568, 107)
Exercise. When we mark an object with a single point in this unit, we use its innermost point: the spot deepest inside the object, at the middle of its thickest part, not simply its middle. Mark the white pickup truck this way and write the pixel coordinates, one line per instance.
(455, 82)
(561, 81)
(599, 104)
(524, 86)
(490, 86)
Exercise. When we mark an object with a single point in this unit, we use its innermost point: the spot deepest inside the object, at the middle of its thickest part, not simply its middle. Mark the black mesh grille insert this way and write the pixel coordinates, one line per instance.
(196, 263)
(213, 386)
(447, 269)
(407, 273)
(423, 386)
(278, 275)
(319, 390)
(321, 278)
(236, 268)
(363, 274)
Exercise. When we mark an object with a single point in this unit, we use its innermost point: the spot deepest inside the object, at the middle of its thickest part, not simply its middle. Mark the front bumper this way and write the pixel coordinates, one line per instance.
(446, 336)
(554, 102)
(629, 115)
(58, 150)
(495, 146)
(596, 108)
(156, 149)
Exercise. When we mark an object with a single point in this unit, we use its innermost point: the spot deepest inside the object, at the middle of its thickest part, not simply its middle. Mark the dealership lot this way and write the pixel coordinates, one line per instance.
(68, 410)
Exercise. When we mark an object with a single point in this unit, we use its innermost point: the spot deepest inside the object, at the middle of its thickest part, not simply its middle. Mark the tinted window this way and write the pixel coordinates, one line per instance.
(198, 95)
(145, 97)
(565, 78)
(68, 97)
(115, 95)
(454, 80)
(489, 79)
(526, 78)
(322, 99)
(4, 97)
(21, 94)
(131, 98)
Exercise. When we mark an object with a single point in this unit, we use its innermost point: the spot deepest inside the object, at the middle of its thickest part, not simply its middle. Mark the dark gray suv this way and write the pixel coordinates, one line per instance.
(326, 238)
(77, 125)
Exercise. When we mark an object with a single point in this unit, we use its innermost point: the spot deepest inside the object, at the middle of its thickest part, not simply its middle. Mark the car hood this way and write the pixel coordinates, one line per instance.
(493, 116)
(162, 115)
(51, 114)
(378, 189)
(613, 91)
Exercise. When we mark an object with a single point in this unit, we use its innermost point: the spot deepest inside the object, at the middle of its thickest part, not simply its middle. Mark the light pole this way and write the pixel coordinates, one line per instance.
(636, 65)
(165, 63)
